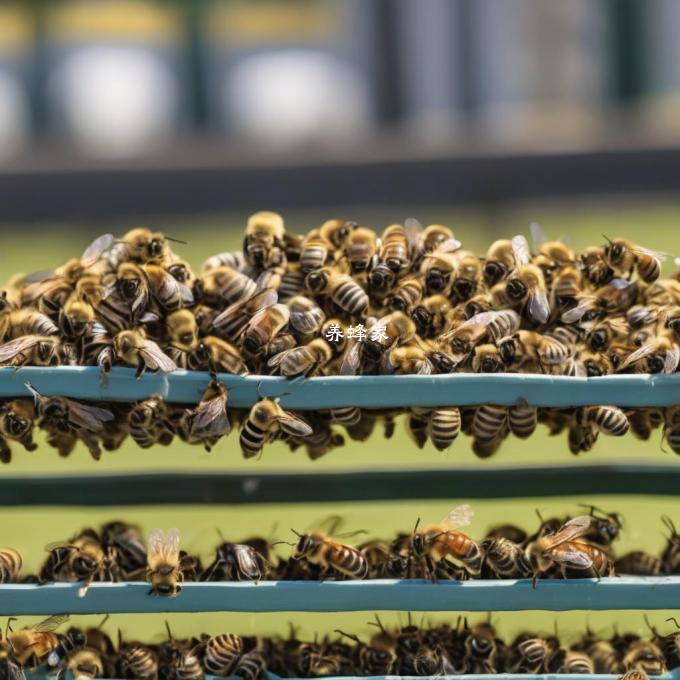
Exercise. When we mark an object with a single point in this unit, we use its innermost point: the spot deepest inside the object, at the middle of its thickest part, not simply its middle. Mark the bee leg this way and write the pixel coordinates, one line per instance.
(534, 580)
(430, 571)
(141, 367)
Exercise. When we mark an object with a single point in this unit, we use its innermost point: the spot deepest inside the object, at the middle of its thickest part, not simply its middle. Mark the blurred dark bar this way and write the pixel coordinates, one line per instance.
(83, 192)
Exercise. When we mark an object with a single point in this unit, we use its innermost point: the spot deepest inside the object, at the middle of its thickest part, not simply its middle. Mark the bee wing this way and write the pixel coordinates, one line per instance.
(412, 229)
(277, 359)
(305, 322)
(155, 358)
(425, 368)
(256, 302)
(351, 360)
(571, 557)
(293, 425)
(553, 348)
(10, 349)
(39, 277)
(539, 308)
(672, 359)
(575, 314)
(520, 249)
(459, 517)
(89, 417)
(635, 356)
(211, 417)
(161, 543)
(170, 288)
(96, 249)
(450, 245)
(571, 530)
(656, 254)
(538, 236)
(51, 623)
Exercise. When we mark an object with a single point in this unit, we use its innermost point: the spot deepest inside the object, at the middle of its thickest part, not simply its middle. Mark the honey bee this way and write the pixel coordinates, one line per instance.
(443, 427)
(625, 257)
(499, 261)
(438, 269)
(85, 664)
(308, 360)
(361, 250)
(148, 422)
(263, 245)
(481, 649)
(551, 256)
(492, 325)
(306, 317)
(489, 422)
(643, 655)
(183, 335)
(136, 349)
(430, 315)
(215, 355)
(409, 359)
(571, 661)
(164, 571)
(15, 323)
(140, 285)
(70, 416)
(178, 661)
(221, 653)
(525, 286)
(266, 418)
(31, 646)
(468, 277)
(405, 295)
(532, 351)
(593, 263)
(10, 565)
(32, 350)
(224, 284)
(530, 655)
(505, 558)
(84, 558)
(335, 559)
(75, 318)
(17, 418)
(137, 661)
(237, 562)
(638, 563)
(669, 644)
(661, 355)
(522, 419)
(605, 332)
(341, 289)
(73, 640)
(143, 246)
(371, 659)
(609, 420)
(317, 250)
(571, 554)
(487, 359)
(394, 257)
(445, 541)
(208, 421)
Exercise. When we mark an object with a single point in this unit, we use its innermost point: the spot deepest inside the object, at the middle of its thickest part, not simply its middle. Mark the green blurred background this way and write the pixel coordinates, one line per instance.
(652, 223)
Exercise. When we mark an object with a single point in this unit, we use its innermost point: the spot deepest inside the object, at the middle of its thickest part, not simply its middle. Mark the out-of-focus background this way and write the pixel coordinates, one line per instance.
(188, 115)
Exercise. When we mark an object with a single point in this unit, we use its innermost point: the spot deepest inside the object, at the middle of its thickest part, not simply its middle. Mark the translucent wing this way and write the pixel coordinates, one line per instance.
(51, 623)
(39, 277)
(554, 351)
(278, 358)
(520, 249)
(656, 254)
(459, 517)
(96, 249)
(538, 236)
(575, 314)
(211, 417)
(572, 557)
(305, 322)
(155, 358)
(10, 349)
(161, 543)
(450, 245)
(672, 359)
(352, 360)
(260, 300)
(89, 417)
(571, 530)
(412, 229)
(539, 309)
(636, 356)
(293, 425)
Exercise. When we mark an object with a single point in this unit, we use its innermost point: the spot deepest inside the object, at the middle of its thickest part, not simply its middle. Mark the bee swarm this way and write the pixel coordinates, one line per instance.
(340, 300)
(409, 650)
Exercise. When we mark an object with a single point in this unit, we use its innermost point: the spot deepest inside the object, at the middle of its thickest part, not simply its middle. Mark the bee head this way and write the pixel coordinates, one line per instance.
(381, 278)
(494, 272)
(464, 288)
(598, 339)
(516, 289)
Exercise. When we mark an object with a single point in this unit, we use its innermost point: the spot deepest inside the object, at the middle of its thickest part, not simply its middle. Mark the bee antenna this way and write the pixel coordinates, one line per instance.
(167, 627)
(220, 534)
(540, 518)
(674, 620)
(606, 238)
(176, 240)
(650, 626)
(378, 623)
(416, 526)
(281, 543)
(348, 635)
(104, 620)
(297, 533)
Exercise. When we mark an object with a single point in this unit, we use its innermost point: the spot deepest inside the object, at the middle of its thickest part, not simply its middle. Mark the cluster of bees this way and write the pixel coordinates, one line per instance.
(91, 653)
(292, 305)
(408, 650)
(567, 547)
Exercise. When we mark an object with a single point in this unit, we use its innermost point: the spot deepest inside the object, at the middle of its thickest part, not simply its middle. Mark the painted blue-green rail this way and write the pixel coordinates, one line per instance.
(645, 593)
(671, 675)
(364, 391)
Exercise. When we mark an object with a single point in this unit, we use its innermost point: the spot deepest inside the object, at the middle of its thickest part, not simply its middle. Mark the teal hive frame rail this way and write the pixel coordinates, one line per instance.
(672, 675)
(643, 593)
(461, 389)
(187, 488)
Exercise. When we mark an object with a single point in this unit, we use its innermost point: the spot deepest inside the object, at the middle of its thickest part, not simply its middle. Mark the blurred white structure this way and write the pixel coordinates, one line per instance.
(284, 98)
(115, 101)
(14, 115)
